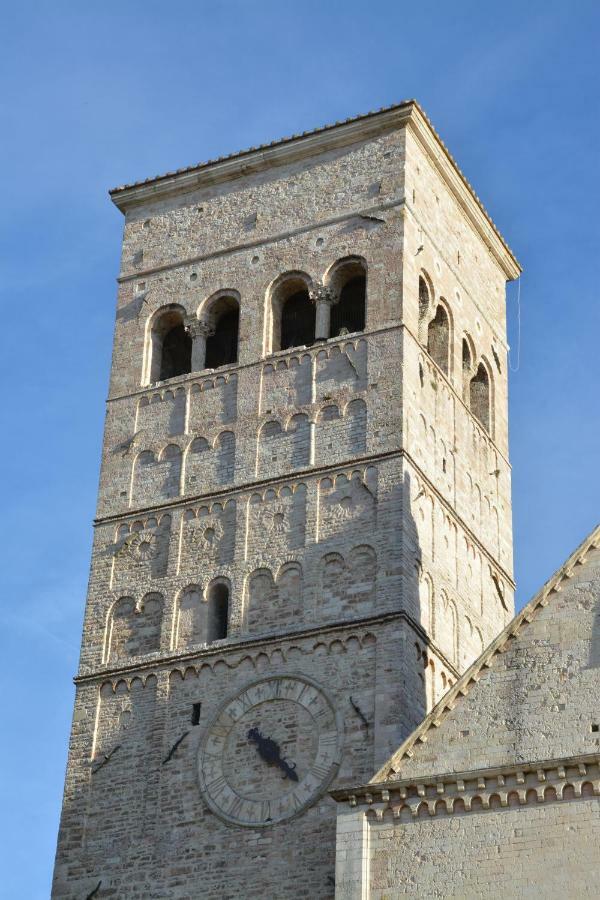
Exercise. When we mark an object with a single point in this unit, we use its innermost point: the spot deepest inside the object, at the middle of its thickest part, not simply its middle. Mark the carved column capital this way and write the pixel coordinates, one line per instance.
(195, 328)
(319, 293)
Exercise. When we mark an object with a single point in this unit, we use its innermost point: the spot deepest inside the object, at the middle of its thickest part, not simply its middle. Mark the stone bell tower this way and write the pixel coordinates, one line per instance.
(303, 530)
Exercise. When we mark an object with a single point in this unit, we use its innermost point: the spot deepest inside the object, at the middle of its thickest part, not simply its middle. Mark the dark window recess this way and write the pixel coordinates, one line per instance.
(297, 321)
(349, 312)
(595, 727)
(423, 298)
(438, 339)
(218, 613)
(466, 356)
(222, 346)
(479, 396)
(176, 357)
(196, 707)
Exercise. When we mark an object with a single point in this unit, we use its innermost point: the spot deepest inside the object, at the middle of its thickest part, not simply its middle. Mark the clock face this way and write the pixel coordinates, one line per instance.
(270, 752)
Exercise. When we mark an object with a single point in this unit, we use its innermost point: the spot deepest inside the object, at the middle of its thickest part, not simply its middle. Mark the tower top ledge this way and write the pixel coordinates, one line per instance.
(318, 141)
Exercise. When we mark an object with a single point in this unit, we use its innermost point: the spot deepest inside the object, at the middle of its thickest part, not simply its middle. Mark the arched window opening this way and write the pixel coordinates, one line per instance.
(218, 612)
(467, 364)
(349, 283)
(438, 339)
(479, 396)
(222, 344)
(297, 318)
(423, 299)
(171, 349)
(466, 356)
(176, 353)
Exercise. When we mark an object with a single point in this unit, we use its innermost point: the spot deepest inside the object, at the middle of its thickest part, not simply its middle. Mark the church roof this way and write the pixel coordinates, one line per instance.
(392, 768)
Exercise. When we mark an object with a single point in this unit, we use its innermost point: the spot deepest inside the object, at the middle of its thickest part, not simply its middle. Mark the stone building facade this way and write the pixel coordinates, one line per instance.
(497, 792)
(303, 533)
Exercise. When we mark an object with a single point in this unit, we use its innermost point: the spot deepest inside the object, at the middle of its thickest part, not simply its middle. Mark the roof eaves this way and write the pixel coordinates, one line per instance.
(277, 143)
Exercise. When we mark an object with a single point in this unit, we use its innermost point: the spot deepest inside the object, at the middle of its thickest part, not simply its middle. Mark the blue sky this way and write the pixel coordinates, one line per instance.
(98, 94)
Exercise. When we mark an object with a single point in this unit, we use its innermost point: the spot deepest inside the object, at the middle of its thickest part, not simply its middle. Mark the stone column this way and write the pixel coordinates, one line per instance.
(199, 332)
(323, 298)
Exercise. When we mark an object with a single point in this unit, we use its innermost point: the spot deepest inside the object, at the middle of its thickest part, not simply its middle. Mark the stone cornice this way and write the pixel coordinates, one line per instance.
(477, 789)
(501, 644)
(231, 648)
(257, 159)
(332, 137)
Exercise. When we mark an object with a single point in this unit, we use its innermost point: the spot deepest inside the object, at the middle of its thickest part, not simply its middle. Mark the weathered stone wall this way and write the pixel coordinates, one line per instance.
(499, 790)
(141, 826)
(548, 849)
(343, 493)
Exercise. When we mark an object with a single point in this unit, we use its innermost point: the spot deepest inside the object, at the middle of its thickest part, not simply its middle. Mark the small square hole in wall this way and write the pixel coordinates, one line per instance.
(595, 727)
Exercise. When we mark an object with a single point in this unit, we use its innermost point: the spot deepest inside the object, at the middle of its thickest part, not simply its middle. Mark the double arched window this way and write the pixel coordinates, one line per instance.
(179, 344)
(302, 311)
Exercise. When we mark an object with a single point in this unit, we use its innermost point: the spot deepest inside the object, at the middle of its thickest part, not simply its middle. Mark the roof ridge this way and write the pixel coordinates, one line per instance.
(391, 768)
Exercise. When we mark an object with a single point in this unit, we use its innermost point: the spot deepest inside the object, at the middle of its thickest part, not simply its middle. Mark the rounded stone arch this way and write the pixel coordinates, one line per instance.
(440, 336)
(294, 420)
(426, 603)
(169, 452)
(218, 599)
(468, 357)
(270, 428)
(468, 346)
(186, 620)
(124, 602)
(482, 395)
(166, 323)
(426, 298)
(328, 411)
(220, 314)
(347, 280)
(293, 286)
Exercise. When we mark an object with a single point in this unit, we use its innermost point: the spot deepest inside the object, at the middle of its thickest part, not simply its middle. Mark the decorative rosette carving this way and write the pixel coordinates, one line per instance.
(139, 547)
(205, 536)
(274, 521)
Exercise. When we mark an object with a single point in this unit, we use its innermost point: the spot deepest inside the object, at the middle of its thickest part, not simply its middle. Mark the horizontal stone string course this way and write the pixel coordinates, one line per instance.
(546, 781)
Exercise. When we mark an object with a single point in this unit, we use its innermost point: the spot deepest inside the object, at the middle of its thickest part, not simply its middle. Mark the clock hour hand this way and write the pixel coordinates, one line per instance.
(269, 750)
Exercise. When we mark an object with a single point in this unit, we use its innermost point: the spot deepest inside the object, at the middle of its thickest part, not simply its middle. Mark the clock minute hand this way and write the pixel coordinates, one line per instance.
(269, 750)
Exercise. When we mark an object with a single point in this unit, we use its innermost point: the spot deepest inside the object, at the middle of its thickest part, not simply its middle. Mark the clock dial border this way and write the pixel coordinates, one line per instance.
(218, 795)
